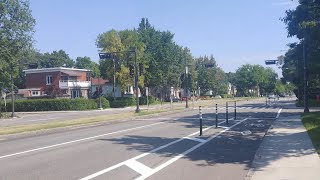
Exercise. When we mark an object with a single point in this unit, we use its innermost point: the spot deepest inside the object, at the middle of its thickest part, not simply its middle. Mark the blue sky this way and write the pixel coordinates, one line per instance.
(234, 32)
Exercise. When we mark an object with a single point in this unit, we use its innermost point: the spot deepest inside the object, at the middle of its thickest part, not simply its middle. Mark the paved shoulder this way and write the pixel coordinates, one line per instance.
(286, 153)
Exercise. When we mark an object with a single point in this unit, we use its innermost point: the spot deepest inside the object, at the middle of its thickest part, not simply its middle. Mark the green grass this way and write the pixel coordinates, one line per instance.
(4, 115)
(76, 122)
(312, 123)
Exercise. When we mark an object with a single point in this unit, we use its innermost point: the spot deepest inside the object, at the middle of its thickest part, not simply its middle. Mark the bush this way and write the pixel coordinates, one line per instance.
(104, 102)
(52, 105)
(121, 102)
(312, 103)
(226, 96)
(143, 100)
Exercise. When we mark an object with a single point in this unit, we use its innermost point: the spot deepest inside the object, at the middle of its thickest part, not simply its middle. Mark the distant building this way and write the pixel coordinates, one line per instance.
(57, 82)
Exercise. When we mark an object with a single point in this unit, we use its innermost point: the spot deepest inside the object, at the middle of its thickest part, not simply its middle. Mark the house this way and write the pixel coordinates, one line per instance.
(58, 82)
(107, 89)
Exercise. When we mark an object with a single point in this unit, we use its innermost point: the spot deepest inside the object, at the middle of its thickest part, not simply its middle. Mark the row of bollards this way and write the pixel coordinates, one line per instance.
(216, 121)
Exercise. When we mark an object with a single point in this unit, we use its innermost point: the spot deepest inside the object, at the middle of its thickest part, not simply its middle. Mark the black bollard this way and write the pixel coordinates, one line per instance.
(216, 115)
(227, 116)
(235, 110)
(200, 114)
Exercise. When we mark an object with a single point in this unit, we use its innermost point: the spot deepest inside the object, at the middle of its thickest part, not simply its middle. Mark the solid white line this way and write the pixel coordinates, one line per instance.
(184, 153)
(78, 140)
(195, 139)
(138, 167)
(279, 113)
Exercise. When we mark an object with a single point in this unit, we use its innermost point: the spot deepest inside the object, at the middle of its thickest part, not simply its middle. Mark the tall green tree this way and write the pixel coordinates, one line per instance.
(303, 23)
(16, 35)
(254, 77)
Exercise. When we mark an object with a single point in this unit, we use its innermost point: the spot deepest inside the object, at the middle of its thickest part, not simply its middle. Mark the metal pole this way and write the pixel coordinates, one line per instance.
(227, 118)
(147, 93)
(186, 80)
(136, 80)
(235, 110)
(12, 90)
(216, 115)
(305, 78)
(114, 79)
(200, 114)
(100, 105)
(266, 100)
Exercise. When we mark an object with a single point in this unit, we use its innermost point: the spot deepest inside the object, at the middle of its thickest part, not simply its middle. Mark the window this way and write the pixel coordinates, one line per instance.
(49, 80)
(35, 93)
(88, 77)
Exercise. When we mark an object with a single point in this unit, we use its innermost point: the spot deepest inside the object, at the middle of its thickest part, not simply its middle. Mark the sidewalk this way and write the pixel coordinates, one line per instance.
(286, 153)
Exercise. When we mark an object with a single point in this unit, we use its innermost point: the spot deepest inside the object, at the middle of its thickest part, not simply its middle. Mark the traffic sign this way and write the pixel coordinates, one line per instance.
(270, 62)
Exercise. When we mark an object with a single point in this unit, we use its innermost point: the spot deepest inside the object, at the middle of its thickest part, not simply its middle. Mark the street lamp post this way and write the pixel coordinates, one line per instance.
(136, 80)
(12, 90)
(136, 76)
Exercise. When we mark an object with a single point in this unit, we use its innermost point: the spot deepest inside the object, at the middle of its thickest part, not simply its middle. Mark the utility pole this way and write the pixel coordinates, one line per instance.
(305, 77)
(114, 79)
(12, 90)
(186, 78)
(136, 80)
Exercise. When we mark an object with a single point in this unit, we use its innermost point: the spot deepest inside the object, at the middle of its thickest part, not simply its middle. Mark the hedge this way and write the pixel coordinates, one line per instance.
(30, 105)
(227, 96)
(104, 102)
(143, 100)
(312, 103)
(120, 102)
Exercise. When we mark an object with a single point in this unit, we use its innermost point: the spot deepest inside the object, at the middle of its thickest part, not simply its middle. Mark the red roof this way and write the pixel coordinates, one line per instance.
(98, 81)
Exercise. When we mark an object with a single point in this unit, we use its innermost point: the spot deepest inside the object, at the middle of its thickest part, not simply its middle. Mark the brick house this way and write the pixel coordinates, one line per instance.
(58, 82)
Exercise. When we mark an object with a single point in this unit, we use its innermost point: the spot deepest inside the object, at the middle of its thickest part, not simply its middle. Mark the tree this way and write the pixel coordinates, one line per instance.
(16, 31)
(56, 59)
(86, 63)
(254, 77)
(303, 22)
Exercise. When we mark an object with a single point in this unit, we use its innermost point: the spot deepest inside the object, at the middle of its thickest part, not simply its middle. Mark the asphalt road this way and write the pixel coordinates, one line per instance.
(165, 147)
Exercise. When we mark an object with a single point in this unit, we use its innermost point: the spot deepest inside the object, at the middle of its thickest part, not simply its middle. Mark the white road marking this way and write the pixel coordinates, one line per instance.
(279, 113)
(224, 127)
(145, 175)
(185, 153)
(138, 167)
(195, 139)
(78, 140)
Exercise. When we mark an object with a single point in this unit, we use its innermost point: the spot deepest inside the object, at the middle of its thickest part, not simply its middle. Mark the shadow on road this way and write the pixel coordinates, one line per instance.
(230, 147)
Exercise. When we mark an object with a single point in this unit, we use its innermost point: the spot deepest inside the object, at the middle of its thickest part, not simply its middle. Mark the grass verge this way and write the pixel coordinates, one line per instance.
(312, 123)
(75, 122)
